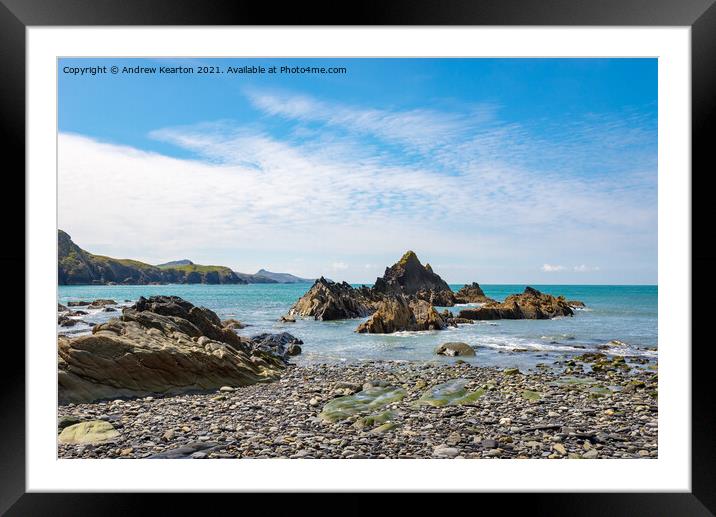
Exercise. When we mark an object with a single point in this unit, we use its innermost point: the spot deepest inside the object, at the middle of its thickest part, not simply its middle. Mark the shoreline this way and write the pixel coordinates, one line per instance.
(603, 414)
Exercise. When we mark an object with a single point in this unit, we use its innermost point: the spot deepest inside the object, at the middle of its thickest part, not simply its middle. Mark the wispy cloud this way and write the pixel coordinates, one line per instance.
(551, 268)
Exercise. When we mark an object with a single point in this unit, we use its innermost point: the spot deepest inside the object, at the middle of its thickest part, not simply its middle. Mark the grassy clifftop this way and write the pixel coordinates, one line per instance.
(76, 266)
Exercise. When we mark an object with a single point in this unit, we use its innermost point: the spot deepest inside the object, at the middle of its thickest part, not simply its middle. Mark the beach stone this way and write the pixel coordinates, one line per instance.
(590, 454)
(443, 451)
(453, 438)
(453, 349)
(560, 448)
(89, 432)
(66, 421)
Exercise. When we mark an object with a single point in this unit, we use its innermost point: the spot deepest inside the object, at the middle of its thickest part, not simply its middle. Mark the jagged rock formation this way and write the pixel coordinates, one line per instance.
(471, 293)
(531, 304)
(160, 346)
(398, 313)
(327, 300)
(76, 266)
(409, 276)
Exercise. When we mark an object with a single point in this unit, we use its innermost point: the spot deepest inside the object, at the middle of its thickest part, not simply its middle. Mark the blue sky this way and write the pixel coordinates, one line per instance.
(493, 170)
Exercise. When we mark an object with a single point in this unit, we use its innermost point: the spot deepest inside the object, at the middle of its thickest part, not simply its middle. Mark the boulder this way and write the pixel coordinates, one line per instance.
(455, 349)
(327, 300)
(147, 353)
(78, 304)
(89, 432)
(471, 293)
(531, 304)
(280, 345)
(398, 313)
(576, 304)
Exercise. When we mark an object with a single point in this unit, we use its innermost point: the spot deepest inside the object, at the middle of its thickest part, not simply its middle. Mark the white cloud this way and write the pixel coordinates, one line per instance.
(583, 268)
(339, 266)
(550, 268)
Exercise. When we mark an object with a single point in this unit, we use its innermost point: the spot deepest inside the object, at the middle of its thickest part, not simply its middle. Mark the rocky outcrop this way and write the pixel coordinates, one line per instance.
(398, 313)
(327, 300)
(575, 304)
(162, 345)
(76, 266)
(531, 304)
(409, 276)
(471, 293)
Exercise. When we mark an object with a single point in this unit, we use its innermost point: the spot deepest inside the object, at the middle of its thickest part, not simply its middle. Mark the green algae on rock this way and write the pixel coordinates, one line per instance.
(93, 431)
(452, 392)
(532, 396)
(374, 420)
(370, 398)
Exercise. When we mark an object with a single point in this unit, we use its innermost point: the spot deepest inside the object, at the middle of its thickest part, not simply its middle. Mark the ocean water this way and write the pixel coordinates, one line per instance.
(624, 313)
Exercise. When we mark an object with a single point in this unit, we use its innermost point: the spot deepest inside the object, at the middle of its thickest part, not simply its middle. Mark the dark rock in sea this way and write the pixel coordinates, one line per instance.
(327, 300)
(101, 303)
(575, 304)
(78, 304)
(459, 321)
(162, 345)
(409, 276)
(471, 293)
(233, 324)
(62, 308)
(280, 345)
(398, 313)
(64, 321)
(455, 349)
(531, 304)
(109, 309)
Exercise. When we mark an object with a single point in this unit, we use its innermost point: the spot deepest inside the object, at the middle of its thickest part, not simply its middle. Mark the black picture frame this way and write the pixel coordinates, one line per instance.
(17, 15)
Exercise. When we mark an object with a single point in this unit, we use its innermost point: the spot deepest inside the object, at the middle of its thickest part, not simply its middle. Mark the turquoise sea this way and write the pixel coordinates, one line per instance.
(624, 313)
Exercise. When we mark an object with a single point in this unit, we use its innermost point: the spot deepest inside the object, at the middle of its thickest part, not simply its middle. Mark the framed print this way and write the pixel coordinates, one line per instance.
(437, 250)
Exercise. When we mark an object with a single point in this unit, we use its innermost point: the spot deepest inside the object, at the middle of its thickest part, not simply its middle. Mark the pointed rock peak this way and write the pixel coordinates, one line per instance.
(428, 267)
(532, 291)
(408, 256)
